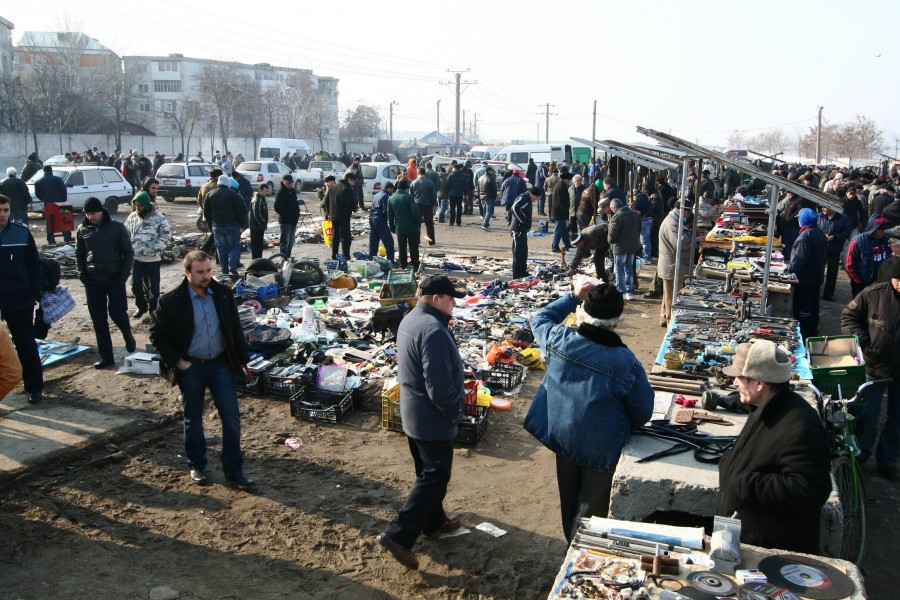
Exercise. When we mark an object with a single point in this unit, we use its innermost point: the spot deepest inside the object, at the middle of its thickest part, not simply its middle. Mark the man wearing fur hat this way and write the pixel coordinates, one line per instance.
(600, 393)
(777, 476)
(808, 264)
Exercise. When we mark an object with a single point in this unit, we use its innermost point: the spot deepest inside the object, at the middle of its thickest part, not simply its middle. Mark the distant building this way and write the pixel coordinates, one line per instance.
(6, 46)
(75, 52)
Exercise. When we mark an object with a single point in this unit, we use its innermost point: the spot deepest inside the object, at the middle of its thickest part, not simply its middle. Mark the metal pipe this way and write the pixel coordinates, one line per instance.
(770, 236)
(684, 188)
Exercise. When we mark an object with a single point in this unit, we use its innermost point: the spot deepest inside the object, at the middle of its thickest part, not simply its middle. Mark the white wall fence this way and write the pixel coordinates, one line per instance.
(14, 147)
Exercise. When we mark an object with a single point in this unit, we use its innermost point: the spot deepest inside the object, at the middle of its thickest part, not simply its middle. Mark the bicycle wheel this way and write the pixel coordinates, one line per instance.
(852, 495)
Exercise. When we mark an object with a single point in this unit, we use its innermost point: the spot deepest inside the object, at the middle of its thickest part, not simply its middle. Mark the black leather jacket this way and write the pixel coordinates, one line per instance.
(103, 251)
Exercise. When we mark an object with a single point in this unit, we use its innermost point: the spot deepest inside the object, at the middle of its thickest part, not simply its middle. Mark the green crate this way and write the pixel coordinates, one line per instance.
(829, 372)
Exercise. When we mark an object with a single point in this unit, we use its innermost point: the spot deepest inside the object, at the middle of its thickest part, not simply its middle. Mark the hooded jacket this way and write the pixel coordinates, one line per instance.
(777, 476)
(511, 188)
(873, 317)
(22, 279)
(865, 254)
(103, 250)
(600, 390)
(150, 234)
(808, 256)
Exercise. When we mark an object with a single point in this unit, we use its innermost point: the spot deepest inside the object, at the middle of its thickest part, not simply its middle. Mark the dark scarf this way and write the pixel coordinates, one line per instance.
(601, 335)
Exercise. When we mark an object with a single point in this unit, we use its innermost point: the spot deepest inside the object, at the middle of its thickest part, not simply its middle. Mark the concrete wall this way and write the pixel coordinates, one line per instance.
(14, 147)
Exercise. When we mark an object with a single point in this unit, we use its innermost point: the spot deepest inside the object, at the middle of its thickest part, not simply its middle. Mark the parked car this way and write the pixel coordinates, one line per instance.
(376, 174)
(269, 171)
(105, 183)
(315, 175)
(182, 180)
(58, 160)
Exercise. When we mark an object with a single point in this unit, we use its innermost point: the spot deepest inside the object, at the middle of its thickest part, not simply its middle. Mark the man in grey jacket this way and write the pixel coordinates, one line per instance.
(430, 373)
(625, 242)
(668, 255)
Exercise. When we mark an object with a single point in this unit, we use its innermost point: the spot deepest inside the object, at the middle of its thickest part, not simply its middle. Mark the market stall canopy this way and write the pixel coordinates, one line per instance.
(820, 198)
(632, 153)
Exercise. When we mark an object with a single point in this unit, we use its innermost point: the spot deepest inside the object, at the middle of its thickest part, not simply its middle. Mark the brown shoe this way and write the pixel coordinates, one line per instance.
(403, 555)
(447, 526)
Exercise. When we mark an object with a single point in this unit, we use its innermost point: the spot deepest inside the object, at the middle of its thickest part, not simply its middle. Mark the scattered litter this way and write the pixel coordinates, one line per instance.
(294, 443)
(491, 529)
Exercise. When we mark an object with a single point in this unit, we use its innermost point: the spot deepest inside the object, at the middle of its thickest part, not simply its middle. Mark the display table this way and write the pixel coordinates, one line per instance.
(751, 556)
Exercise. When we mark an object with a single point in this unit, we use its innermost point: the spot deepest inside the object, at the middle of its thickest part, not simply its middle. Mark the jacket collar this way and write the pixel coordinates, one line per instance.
(430, 310)
(601, 335)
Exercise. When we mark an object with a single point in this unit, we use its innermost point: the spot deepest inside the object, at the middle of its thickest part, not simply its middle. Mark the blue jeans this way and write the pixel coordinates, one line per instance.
(286, 241)
(866, 427)
(379, 231)
(228, 246)
(219, 380)
(542, 203)
(488, 212)
(423, 510)
(624, 268)
(443, 202)
(560, 233)
(646, 238)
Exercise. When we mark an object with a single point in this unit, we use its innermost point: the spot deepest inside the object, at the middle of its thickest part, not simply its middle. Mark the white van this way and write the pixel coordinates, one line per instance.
(517, 155)
(276, 148)
(484, 152)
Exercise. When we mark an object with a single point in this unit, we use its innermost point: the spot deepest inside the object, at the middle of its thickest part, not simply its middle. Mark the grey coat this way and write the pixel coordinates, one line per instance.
(625, 231)
(668, 245)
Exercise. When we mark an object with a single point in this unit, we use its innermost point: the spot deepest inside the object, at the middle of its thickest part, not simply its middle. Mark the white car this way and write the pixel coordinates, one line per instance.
(83, 182)
(315, 175)
(376, 174)
(182, 180)
(259, 171)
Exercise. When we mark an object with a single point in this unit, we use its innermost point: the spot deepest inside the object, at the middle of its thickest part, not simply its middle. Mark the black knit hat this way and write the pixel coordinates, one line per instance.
(92, 205)
(604, 302)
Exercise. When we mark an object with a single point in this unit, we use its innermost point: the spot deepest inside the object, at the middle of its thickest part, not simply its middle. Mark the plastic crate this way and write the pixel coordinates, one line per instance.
(282, 386)
(264, 292)
(472, 426)
(368, 397)
(401, 283)
(828, 377)
(503, 376)
(391, 420)
(385, 298)
(390, 409)
(323, 406)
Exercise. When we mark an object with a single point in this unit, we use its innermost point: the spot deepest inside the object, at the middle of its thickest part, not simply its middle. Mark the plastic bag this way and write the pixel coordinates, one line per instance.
(327, 232)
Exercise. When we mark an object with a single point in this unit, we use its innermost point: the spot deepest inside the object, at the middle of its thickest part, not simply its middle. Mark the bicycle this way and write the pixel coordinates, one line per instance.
(845, 467)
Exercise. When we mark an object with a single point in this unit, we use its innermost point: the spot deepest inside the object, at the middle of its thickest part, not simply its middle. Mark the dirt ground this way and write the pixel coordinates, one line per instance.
(119, 517)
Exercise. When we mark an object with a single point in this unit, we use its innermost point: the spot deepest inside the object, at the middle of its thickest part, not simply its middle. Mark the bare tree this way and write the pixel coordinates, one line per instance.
(737, 139)
(860, 138)
(361, 122)
(293, 113)
(222, 85)
(117, 87)
(317, 119)
(186, 114)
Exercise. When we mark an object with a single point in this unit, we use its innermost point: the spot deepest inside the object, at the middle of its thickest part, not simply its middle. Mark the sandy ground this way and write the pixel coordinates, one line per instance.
(119, 518)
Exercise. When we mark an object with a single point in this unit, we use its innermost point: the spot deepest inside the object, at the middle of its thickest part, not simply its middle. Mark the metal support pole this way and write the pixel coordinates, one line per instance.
(458, 93)
(594, 132)
(438, 116)
(770, 237)
(684, 184)
(819, 138)
(547, 126)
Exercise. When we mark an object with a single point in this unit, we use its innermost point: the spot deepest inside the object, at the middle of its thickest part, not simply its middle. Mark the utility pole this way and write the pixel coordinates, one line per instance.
(459, 82)
(475, 125)
(547, 114)
(819, 138)
(439, 116)
(391, 130)
(594, 131)
(463, 125)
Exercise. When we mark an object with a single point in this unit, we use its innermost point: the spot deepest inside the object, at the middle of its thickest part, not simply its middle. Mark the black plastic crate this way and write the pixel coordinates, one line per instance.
(367, 397)
(320, 405)
(284, 386)
(503, 376)
(472, 426)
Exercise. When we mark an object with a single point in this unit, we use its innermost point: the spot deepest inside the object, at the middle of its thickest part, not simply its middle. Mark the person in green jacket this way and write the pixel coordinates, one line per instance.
(405, 221)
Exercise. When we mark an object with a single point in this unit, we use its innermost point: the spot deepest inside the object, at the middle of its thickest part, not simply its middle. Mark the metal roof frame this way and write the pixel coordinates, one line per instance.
(636, 155)
(820, 198)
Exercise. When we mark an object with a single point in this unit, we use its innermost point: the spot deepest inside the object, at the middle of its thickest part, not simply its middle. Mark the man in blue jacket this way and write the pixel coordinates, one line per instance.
(836, 227)
(600, 394)
(430, 373)
(378, 223)
(808, 264)
(50, 189)
(21, 282)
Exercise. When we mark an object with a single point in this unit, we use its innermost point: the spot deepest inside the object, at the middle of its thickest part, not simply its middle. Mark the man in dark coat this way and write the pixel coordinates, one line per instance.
(777, 476)
(50, 189)
(19, 197)
(201, 345)
(342, 203)
(836, 228)
(559, 214)
(808, 264)
(226, 215)
(288, 211)
(32, 165)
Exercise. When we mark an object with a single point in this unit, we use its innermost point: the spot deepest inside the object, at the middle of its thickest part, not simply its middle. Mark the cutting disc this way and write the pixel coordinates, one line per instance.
(713, 583)
(808, 577)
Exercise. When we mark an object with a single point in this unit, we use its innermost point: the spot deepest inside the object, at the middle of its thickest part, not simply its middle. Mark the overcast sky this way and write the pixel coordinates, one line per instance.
(696, 69)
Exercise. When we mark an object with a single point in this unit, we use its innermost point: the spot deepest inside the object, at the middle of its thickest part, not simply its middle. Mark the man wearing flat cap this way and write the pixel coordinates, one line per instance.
(777, 476)
(874, 317)
(594, 393)
(430, 373)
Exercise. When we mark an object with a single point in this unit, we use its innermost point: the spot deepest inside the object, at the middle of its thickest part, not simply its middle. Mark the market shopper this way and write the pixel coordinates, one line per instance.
(487, 194)
(808, 265)
(865, 254)
(625, 243)
(777, 476)
(150, 234)
(288, 210)
(10, 367)
(677, 222)
(226, 215)
(887, 267)
(258, 220)
(404, 220)
(21, 284)
(519, 225)
(19, 197)
(201, 346)
(594, 238)
(379, 230)
(425, 195)
(104, 256)
(430, 373)
(559, 214)
(209, 246)
(873, 316)
(594, 393)
(342, 203)
(836, 227)
(50, 189)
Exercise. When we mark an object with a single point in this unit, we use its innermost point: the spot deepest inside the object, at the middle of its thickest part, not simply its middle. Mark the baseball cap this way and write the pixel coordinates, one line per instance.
(761, 360)
(440, 284)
